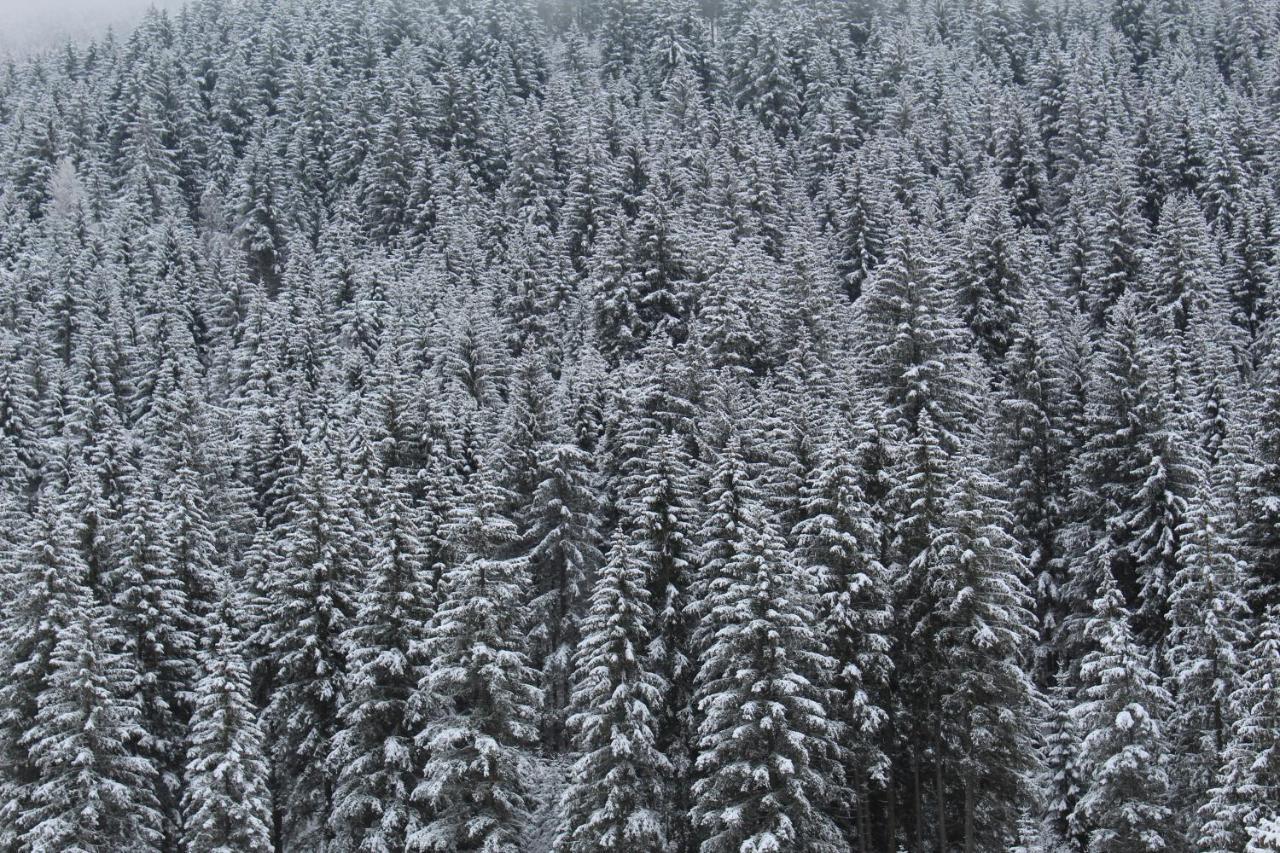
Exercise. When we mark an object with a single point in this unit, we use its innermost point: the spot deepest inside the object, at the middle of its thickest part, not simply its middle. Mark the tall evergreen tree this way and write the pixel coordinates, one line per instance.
(767, 765)
(378, 762)
(476, 777)
(841, 545)
(616, 798)
(1121, 711)
(564, 527)
(93, 792)
(1244, 795)
(226, 800)
(308, 604)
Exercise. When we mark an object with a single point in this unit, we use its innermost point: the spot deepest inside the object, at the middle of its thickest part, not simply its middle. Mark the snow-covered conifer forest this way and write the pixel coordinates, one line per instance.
(605, 425)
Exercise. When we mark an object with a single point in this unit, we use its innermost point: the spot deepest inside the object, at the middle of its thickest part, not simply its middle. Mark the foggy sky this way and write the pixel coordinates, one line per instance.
(27, 25)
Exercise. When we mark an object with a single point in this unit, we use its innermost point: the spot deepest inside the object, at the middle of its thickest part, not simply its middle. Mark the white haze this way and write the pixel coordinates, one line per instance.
(32, 25)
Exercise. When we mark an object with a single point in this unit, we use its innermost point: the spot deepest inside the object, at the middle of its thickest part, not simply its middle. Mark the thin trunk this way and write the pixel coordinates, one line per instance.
(969, 840)
(940, 794)
(890, 815)
(863, 815)
(917, 796)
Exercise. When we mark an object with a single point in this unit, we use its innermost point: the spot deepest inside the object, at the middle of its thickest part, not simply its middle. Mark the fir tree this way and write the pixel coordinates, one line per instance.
(226, 803)
(308, 606)
(767, 761)
(981, 626)
(45, 585)
(1244, 795)
(476, 775)
(840, 546)
(1206, 634)
(564, 528)
(616, 798)
(1120, 711)
(92, 792)
(374, 749)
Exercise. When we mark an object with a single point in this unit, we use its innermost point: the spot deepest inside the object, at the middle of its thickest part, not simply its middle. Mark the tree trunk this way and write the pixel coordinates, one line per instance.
(918, 797)
(940, 793)
(890, 824)
(969, 839)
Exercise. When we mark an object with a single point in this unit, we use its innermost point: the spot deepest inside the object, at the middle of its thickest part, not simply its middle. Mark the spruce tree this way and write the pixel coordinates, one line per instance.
(564, 523)
(1206, 636)
(1248, 782)
(226, 801)
(1120, 711)
(377, 761)
(617, 794)
(46, 590)
(308, 603)
(475, 781)
(92, 791)
(986, 739)
(840, 546)
(768, 754)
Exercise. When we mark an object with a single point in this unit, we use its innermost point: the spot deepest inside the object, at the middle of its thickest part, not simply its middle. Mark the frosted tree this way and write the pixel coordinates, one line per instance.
(45, 585)
(475, 781)
(768, 753)
(915, 353)
(1120, 711)
(226, 802)
(308, 604)
(564, 527)
(1034, 439)
(1063, 782)
(1245, 794)
(840, 545)
(378, 762)
(981, 626)
(1207, 619)
(1260, 489)
(617, 794)
(158, 630)
(989, 272)
(1133, 477)
(92, 792)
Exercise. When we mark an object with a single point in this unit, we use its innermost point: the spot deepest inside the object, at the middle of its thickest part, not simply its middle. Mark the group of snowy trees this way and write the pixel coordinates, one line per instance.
(461, 425)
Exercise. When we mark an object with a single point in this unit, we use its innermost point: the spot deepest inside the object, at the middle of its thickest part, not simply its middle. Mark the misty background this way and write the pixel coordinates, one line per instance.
(32, 25)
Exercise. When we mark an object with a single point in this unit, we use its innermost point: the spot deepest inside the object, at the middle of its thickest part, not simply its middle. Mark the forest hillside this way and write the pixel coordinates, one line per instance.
(602, 425)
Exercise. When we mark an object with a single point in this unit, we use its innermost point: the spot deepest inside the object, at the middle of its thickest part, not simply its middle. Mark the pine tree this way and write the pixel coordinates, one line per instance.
(1248, 782)
(226, 802)
(158, 630)
(616, 798)
(92, 792)
(1035, 442)
(916, 355)
(768, 754)
(1064, 782)
(1133, 477)
(378, 762)
(46, 590)
(1207, 632)
(1120, 711)
(858, 230)
(658, 507)
(476, 776)
(1259, 508)
(563, 523)
(989, 272)
(841, 543)
(1118, 236)
(981, 626)
(308, 604)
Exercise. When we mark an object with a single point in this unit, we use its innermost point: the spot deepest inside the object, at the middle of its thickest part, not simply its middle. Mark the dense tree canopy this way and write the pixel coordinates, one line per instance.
(602, 425)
